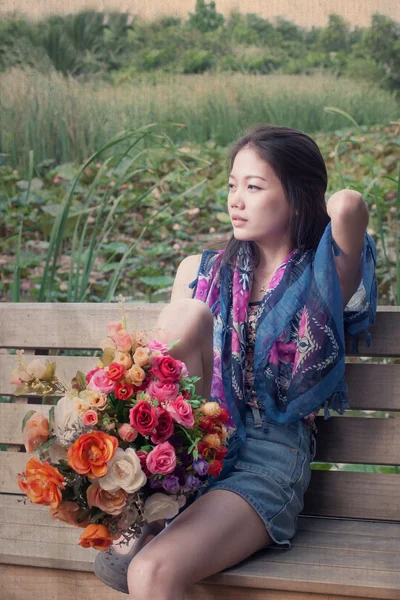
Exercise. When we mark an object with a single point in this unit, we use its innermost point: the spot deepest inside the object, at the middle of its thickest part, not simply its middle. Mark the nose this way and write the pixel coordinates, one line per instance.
(236, 200)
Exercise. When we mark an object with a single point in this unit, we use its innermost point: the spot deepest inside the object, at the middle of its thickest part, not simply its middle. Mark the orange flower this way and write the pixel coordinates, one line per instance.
(36, 431)
(41, 483)
(212, 440)
(91, 452)
(210, 409)
(98, 537)
(111, 503)
(69, 512)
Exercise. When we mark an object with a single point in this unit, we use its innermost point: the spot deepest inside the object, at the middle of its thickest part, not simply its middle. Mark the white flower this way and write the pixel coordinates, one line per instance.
(123, 471)
(66, 421)
(56, 453)
(160, 506)
(36, 369)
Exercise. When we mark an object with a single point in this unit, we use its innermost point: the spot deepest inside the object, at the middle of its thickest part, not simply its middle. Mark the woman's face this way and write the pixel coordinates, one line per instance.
(257, 202)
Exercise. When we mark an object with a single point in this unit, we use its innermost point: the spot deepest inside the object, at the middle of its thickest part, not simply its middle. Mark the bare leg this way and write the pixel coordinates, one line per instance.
(217, 531)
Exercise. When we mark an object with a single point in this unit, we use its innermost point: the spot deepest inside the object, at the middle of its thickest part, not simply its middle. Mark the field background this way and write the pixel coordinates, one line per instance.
(302, 12)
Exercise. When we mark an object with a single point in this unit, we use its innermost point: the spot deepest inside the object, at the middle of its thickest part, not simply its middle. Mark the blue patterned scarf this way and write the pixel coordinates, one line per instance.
(304, 307)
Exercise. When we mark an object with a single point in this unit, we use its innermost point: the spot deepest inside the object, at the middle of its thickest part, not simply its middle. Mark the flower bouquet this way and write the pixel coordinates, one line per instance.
(126, 444)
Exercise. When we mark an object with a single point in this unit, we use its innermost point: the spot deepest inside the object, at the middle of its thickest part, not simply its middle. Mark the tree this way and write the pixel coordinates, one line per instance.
(382, 43)
(205, 18)
(336, 36)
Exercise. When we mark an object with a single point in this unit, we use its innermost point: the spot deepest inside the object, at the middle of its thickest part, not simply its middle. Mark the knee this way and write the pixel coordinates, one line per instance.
(148, 578)
(186, 316)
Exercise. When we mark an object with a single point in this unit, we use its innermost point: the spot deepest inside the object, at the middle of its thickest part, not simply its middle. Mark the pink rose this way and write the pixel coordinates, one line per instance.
(127, 433)
(114, 328)
(90, 374)
(123, 342)
(166, 369)
(89, 417)
(161, 460)
(156, 346)
(163, 391)
(100, 382)
(181, 412)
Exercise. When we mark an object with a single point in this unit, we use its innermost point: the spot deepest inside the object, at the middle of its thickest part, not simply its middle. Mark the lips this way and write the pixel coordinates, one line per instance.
(236, 218)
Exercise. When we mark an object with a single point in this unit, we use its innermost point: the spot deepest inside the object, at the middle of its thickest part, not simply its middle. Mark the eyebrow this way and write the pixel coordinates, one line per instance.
(249, 177)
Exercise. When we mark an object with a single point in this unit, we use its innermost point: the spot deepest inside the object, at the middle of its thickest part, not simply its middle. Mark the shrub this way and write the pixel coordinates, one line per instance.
(197, 61)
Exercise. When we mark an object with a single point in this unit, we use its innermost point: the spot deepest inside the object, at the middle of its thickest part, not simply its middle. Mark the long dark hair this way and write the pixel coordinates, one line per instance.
(297, 161)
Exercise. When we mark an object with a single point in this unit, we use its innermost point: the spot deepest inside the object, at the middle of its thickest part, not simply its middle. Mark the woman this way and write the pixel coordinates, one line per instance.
(262, 323)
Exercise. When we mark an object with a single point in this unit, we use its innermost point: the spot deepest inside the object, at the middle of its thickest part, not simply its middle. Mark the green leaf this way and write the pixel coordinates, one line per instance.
(157, 281)
(46, 445)
(27, 417)
(81, 380)
(172, 344)
(51, 418)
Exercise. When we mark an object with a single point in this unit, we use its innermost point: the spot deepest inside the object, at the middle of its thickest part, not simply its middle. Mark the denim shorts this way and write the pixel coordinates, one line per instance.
(273, 473)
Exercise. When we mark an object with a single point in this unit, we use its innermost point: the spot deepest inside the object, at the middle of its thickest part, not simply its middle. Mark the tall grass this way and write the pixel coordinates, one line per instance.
(68, 120)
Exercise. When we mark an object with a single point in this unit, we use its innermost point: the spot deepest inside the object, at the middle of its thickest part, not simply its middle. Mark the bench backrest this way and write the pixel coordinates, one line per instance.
(364, 439)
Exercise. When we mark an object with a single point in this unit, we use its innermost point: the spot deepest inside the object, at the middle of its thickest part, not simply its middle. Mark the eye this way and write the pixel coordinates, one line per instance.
(254, 186)
(229, 186)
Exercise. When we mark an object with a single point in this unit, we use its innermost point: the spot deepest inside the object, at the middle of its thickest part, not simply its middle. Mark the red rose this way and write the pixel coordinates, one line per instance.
(224, 415)
(143, 417)
(142, 457)
(123, 391)
(215, 468)
(166, 369)
(220, 453)
(115, 371)
(165, 427)
(208, 424)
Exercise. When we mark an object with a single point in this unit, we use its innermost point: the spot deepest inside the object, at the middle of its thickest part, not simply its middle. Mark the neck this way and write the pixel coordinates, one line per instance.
(271, 257)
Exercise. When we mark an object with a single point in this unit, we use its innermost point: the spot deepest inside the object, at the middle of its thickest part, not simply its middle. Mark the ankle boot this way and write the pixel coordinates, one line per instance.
(111, 566)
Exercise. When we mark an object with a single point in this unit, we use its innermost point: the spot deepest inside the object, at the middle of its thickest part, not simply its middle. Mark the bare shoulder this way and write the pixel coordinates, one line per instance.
(186, 273)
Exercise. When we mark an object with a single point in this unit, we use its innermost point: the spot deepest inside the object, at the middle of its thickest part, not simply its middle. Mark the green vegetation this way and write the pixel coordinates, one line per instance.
(62, 119)
(121, 222)
(110, 44)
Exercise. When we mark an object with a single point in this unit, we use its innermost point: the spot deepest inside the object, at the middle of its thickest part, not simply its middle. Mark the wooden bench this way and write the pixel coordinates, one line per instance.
(348, 540)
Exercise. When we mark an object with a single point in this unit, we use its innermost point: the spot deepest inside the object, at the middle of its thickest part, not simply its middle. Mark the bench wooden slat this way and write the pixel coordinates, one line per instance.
(353, 494)
(343, 494)
(83, 326)
(371, 386)
(70, 325)
(314, 549)
(358, 440)
(340, 439)
(22, 582)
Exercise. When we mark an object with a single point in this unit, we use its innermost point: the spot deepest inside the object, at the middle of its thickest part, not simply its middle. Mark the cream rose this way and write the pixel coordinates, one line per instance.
(141, 356)
(81, 405)
(123, 471)
(67, 422)
(97, 400)
(123, 359)
(135, 375)
(160, 506)
(36, 369)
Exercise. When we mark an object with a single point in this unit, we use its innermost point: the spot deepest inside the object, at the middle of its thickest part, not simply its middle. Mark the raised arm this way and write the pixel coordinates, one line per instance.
(186, 273)
(349, 215)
